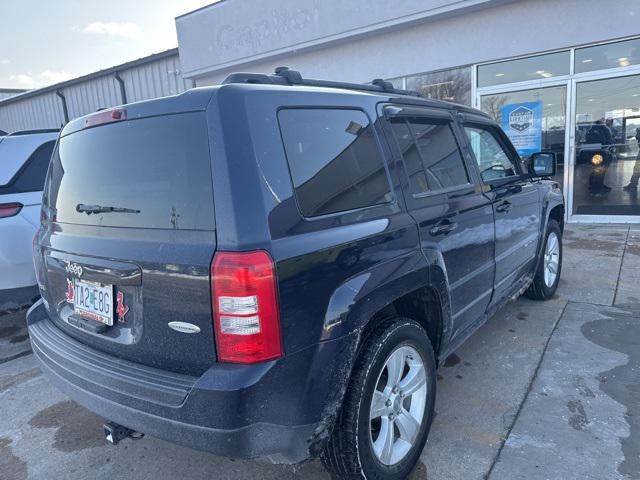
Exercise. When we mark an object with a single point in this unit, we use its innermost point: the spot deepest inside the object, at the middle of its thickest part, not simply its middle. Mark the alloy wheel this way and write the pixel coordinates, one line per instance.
(551, 259)
(398, 405)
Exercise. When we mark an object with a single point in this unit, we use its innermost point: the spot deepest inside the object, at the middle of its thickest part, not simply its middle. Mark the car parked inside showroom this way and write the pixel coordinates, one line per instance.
(24, 159)
(274, 267)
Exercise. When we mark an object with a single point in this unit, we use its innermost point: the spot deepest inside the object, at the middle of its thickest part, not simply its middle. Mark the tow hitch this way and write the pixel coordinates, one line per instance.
(115, 433)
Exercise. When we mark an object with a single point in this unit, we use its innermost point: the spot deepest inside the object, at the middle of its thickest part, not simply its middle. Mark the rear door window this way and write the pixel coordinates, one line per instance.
(159, 167)
(431, 154)
(334, 159)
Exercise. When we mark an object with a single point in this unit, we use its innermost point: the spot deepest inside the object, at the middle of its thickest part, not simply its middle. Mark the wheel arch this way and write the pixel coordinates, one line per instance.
(411, 287)
(422, 305)
(557, 213)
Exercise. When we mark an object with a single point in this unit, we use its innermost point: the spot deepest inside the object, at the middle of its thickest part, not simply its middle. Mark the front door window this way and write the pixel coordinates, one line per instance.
(493, 161)
(534, 120)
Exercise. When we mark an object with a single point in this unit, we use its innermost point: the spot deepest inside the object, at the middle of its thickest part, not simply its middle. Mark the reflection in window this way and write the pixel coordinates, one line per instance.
(431, 154)
(610, 55)
(553, 104)
(412, 160)
(607, 161)
(453, 85)
(334, 160)
(493, 161)
(530, 68)
(161, 167)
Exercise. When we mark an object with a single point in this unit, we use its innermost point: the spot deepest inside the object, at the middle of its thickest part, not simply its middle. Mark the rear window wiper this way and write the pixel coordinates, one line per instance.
(89, 209)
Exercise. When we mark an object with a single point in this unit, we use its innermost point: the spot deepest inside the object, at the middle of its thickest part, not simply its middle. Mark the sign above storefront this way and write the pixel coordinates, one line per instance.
(225, 34)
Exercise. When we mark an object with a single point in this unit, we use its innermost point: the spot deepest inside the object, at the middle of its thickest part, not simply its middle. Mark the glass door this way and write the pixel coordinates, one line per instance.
(606, 169)
(534, 119)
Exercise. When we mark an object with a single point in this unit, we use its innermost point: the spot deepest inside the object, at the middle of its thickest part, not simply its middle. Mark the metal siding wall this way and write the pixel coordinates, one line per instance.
(157, 78)
(87, 97)
(43, 111)
(152, 80)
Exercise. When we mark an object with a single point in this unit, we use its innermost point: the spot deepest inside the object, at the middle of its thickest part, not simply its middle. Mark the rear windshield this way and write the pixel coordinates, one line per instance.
(157, 168)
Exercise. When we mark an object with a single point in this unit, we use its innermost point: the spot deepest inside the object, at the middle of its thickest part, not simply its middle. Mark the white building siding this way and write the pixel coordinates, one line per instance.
(42, 111)
(498, 30)
(152, 80)
(87, 97)
(156, 76)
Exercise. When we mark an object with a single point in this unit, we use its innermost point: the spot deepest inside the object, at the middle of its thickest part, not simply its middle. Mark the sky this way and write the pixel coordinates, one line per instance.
(43, 42)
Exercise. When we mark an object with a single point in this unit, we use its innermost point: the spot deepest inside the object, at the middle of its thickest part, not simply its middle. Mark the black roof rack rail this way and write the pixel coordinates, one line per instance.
(286, 76)
(32, 132)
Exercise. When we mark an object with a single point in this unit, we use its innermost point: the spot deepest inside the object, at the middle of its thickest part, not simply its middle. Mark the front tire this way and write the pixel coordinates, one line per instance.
(545, 282)
(388, 408)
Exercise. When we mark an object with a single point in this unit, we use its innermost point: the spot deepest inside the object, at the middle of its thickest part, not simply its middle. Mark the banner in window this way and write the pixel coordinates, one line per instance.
(522, 122)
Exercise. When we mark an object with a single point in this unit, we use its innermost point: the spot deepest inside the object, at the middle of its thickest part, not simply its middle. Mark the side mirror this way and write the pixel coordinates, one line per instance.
(543, 164)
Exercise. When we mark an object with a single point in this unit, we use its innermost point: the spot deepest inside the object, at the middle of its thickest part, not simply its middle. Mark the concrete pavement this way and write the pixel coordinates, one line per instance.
(581, 418)
(14, 340)
(542, 391)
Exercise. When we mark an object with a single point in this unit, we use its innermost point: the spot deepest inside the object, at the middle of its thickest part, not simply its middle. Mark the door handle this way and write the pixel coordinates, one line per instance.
(504, 207)
(445, 227)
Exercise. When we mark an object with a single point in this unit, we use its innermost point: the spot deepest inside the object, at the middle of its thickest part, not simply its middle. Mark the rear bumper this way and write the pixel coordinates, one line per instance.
(277, 411)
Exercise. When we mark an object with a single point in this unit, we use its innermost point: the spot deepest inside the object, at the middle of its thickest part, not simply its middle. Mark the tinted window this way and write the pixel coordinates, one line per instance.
(334, 160)
(31, 179)
(493, 160)
(159, 166)
(431, 154)
(412, 159)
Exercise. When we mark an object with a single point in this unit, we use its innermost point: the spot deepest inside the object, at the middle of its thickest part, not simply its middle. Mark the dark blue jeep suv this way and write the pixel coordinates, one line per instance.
(274, 267)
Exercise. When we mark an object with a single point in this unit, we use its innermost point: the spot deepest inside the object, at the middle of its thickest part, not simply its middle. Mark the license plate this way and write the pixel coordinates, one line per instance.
(94, 301)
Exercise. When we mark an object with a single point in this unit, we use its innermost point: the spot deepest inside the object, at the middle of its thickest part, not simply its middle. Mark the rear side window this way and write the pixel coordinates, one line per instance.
(334, 160)
(430, 153)
(159, 167)
(31, 178)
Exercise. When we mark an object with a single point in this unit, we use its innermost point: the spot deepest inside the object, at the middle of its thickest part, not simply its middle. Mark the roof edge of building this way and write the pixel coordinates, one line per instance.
(12, 90)
(100, 73)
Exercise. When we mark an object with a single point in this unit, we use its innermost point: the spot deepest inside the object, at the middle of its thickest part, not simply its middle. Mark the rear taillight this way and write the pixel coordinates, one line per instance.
(10, 209)
(245, 307)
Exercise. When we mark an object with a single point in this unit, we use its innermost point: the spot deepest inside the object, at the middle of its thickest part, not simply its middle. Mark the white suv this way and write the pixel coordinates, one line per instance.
(24, 159)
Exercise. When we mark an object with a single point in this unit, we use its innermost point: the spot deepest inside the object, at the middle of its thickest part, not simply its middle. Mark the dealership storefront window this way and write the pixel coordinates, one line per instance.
(607, 165)
(453, 85)
(581, 103)
(523, 69)
(544, 105)
(584, 105)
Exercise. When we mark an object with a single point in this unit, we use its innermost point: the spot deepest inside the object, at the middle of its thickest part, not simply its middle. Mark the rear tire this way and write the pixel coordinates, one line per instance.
(388, 408)
(545, 282)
